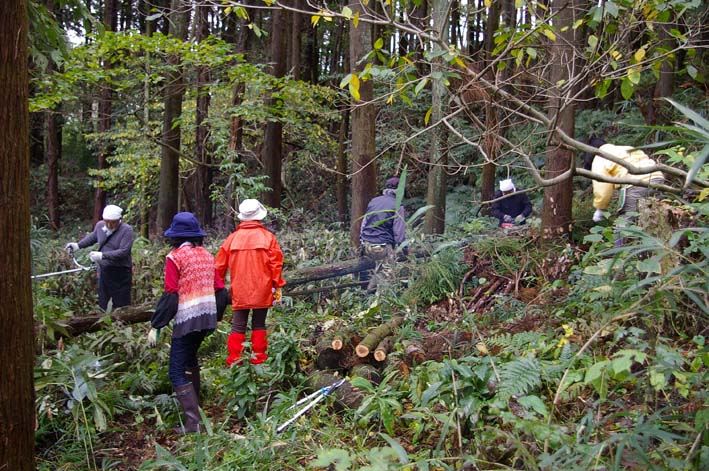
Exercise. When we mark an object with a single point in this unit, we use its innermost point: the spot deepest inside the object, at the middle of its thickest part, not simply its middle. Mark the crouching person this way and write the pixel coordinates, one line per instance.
(190, 301)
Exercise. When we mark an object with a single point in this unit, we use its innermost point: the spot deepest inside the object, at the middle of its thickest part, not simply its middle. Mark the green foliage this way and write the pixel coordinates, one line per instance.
(436, 278)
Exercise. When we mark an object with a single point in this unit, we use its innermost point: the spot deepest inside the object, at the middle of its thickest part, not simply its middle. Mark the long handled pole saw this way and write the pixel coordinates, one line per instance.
(314, 398)
(79, 266)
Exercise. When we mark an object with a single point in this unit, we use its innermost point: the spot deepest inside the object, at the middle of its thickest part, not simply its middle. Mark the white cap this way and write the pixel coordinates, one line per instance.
(112, 212)
(507, 185)
(251, 210)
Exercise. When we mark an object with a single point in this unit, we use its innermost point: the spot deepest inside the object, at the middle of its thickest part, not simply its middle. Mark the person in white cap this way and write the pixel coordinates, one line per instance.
(513, 208)
(113, 257)
(255, 261)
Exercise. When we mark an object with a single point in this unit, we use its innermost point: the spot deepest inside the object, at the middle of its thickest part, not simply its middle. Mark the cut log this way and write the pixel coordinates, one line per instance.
(383, 349)
(366, 371)
(414, 354)
(330, 358)
(376, 335)
(345, 396)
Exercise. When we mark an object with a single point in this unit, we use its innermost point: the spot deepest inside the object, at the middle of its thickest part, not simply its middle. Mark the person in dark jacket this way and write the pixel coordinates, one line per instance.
(514, 208)
(113, 257)
(383, 230)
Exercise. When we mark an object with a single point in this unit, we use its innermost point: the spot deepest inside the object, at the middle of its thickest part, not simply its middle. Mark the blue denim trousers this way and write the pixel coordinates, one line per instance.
(183, 355)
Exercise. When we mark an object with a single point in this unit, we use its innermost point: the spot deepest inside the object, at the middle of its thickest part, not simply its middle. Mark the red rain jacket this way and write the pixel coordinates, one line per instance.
(254, 259)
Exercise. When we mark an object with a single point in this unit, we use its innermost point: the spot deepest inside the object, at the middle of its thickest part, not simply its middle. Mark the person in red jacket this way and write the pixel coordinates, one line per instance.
(254, 259)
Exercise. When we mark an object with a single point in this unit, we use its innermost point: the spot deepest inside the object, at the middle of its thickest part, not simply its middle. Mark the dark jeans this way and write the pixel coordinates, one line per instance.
(114, 283)
(240, 318)
(183, 355)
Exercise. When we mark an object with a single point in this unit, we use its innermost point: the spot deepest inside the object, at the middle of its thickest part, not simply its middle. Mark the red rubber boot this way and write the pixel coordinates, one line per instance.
(259, 344)
(234, 348)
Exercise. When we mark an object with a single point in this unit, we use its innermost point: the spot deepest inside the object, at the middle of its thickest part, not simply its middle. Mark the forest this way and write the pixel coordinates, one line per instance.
(569, 337)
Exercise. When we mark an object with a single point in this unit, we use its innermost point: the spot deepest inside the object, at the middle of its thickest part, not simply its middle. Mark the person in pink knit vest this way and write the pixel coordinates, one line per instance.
(192, 289)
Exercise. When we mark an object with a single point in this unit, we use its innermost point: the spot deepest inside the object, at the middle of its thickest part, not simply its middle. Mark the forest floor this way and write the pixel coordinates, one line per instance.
(132, 444)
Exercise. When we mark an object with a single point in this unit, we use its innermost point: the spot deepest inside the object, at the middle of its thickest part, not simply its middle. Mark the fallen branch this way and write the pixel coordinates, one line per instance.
(126, 315)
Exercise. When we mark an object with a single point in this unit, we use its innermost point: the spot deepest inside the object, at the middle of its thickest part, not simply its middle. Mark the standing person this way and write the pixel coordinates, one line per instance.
(254, 259)
(189, 298)
(514, 208)
(113, 257)
(629, 194)
(383, 230)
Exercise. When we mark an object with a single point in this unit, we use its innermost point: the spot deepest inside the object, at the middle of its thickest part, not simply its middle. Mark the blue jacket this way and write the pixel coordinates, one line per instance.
(382, 224)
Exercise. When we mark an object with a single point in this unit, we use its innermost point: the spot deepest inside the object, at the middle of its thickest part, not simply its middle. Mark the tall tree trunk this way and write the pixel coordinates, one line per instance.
(490, 135)
(296, 33)
(202, 178)
(53, 155)
(241, 41)
(171, 134)
(341, 185)
(435, 222)
(110, 20)
(364, 173)
(665, 83)
(312, 56)
(17, 413)
(53, 145)
(556, 213)
(273, 139)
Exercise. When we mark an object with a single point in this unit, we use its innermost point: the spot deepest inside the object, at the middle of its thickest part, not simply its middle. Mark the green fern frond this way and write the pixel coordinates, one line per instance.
(519, 377)
(518, 343)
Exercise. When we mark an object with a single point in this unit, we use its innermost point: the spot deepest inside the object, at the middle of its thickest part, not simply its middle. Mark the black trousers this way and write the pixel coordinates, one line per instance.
(114, 283)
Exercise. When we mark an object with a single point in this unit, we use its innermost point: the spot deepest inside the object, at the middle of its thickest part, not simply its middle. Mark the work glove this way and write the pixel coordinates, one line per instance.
(95, 256)
(520, 219)
(598, 216)
(153, 337)
(507, 218)
(71, 247)
(277, 294)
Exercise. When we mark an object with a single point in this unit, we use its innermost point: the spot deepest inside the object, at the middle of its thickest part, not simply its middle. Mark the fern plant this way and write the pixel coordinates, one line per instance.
(519, 377)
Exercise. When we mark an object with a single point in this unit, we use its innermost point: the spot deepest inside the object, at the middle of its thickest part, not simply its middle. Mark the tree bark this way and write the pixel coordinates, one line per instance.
(53, 135)
(273, 138)
(171, 133)
(341, 184)
(490, 141)
(53, 146)
(17, 413)
(202, 178)
(556, 214)
(665, 83)
(435, 221)
(364, 173)
(296, 33)
(105, 108)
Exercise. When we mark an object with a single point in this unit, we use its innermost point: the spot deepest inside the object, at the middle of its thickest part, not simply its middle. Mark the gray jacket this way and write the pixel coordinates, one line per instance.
(115, 248)
(382, 223)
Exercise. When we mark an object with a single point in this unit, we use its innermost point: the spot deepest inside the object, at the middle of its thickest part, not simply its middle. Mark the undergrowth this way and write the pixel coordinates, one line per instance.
(611, 375)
